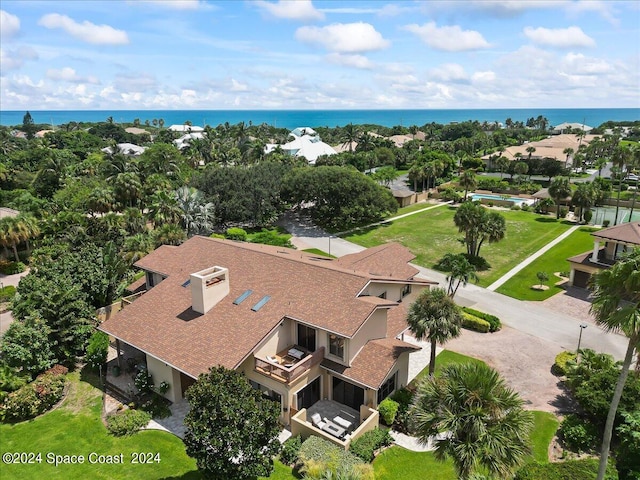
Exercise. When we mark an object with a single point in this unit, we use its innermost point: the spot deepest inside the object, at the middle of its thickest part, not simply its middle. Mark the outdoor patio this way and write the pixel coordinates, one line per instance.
(330, 409)
(130, 362)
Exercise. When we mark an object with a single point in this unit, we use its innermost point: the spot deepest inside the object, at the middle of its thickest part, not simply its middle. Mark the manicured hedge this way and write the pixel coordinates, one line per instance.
(127, 422)
(388, 409)
(11, 268)
(494, 322)
(562, 359)
(475, 323)
(569, 470)
(578, 434)
(365, 446)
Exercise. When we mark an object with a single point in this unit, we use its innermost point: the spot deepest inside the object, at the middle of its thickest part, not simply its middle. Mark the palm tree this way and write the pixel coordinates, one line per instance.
(559, 190)
(460, 271)
(530, 150)
(568, 152)
(198, 215)
(169, 234)
(621, 156)
(30, 227)
(583, 197)
(616, 307)
(502, 163)
(468, 181)
(164, 209)
(434, 316)
(137, 246)
(481, 421)
(415, 173)
(349, 136)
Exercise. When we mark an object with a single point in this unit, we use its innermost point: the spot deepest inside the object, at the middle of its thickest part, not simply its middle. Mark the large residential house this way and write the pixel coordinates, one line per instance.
(305, 142)
(609, 244)
(303, 328)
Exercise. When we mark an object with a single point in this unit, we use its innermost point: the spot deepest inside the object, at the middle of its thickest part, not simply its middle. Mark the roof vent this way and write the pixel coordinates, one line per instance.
(261, 303)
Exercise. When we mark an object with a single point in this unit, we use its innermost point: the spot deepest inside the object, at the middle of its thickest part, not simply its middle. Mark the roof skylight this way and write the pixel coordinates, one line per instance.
(261, 303)
(242, 297)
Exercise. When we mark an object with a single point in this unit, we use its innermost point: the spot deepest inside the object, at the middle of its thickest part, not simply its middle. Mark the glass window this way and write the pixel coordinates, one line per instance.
(383, 295)
(307, 337)
(336, 345)
(406, 290)
(387, 387)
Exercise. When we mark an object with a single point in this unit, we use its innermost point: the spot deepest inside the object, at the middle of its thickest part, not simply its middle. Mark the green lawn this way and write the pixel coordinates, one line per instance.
(446, 357)
(397, 463)
(545, 427)
(555, 260)
(75, 428)
(431, 234)
(317, 251)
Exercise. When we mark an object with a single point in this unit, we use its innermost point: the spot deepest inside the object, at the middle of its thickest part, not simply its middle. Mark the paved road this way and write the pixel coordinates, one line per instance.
(531, 318)
(6, 318)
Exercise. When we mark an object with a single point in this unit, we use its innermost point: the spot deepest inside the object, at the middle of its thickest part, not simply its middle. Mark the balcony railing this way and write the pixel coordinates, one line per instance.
(289, 373)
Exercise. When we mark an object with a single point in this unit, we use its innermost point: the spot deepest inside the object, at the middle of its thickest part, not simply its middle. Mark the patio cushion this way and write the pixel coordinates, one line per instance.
(316, 419)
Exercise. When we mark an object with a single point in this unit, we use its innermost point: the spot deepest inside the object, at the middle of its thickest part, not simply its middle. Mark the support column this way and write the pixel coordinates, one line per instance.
(596, 250)
(118, 352)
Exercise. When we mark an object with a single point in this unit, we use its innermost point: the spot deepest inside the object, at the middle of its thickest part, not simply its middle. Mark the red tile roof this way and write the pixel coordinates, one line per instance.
(162, 323)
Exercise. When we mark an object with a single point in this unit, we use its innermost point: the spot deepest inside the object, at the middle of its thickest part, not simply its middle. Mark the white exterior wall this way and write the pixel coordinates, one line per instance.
(394, 290)
(161, 372)
(278, 341)
(375, 327)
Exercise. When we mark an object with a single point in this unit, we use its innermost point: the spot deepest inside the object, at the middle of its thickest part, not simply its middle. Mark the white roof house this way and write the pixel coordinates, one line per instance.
(186, 128)
(185, 140)
(567, 126)
(305, 143)
(126, 149)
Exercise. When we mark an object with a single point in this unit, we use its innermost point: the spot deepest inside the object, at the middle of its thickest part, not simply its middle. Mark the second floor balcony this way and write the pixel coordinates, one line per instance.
(289, 364)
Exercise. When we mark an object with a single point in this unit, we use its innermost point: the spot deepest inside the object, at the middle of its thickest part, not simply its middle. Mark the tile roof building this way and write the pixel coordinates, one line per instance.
(617, 241)
(301, 327)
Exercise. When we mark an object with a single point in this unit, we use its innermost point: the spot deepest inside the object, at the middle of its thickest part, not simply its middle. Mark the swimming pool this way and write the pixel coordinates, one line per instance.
(489, 197)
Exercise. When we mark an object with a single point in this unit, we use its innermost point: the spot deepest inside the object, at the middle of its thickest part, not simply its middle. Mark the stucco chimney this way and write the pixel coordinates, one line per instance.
(208, 287)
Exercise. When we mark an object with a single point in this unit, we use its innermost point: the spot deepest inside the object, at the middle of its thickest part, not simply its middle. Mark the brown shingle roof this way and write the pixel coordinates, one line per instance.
(625, 233)
(388, 259)
(162, 323)
(373, 363)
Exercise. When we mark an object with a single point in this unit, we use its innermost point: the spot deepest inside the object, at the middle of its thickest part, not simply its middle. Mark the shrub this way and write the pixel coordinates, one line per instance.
(449, 194)
(97, 350)
(290, 450)
(568, 470)
(57, 370)
(127, 422)
(365, 446)
(494, 322)
(34, 398)
(271, 237)
(475, 323)
(587, 215)
(605, 223)
(563, 212)
(10, 381)
(332, 457)
(143, 382)
(525, 208)
(11, 268)
(578, 434)
(515, 207)
(7, 293)
(562, 359)
(156, 405)
(236, 234)
(388, 409)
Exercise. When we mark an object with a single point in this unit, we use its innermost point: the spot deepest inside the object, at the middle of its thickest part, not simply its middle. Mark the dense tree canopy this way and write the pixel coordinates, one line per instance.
(479, 225)
(338, 197)
(232, 429)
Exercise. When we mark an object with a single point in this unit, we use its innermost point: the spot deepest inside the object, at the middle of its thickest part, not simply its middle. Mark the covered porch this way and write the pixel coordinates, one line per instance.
(334, 422)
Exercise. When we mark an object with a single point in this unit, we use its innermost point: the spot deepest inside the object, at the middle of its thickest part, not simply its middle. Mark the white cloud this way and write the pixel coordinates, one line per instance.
(448, 38)
(559, 37)
(85, 31)
(176, 4)
(605, 9)
(9, 25)
(237, 86)
(344, 37)
(291, 10)
(448, 72)
(356, 61)
(68, 74)
(482, 77)
(579, 64)
(13, 59)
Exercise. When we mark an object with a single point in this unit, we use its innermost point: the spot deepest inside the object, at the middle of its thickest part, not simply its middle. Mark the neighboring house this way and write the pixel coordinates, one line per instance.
(126, 149)
(609, 244)
(136, 131)
(305, 143)
(567, 127)
(186, 129)
(550, 147)
(302, 328)
(185, 140)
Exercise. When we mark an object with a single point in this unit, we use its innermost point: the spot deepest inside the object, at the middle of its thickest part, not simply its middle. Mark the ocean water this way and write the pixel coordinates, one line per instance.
(326, 118)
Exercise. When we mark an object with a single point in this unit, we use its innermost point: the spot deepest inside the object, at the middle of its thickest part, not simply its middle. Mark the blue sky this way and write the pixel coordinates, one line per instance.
(302, 54)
